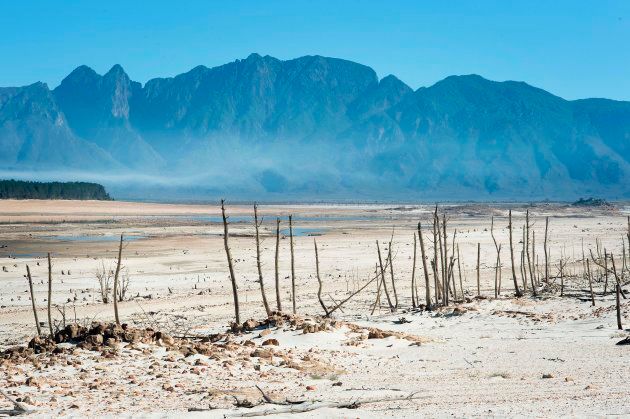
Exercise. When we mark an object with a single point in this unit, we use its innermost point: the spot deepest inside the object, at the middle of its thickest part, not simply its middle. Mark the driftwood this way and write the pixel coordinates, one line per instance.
(309, 406)
(18, 408)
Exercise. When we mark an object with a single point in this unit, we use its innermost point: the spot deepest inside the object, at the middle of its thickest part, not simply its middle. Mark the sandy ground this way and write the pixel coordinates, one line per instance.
(479, 357)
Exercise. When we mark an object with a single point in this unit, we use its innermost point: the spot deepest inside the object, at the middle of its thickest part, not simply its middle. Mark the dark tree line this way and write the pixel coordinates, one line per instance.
(19, 189)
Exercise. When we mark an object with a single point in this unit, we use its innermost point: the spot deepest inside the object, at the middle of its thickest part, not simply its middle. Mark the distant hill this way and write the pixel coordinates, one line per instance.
(319, 128)
(17, 189)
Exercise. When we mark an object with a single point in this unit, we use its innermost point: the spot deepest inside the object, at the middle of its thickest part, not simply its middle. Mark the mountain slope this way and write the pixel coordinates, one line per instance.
(318, 127)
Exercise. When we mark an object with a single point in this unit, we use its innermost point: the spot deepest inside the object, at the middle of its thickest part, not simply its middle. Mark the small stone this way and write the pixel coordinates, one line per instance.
(310, 388)
(547, 376)
(95, 339)
(273, 342)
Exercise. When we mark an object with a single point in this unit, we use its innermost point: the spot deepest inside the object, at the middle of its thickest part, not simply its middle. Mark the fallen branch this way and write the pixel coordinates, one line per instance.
(18, 408)
(314, 405)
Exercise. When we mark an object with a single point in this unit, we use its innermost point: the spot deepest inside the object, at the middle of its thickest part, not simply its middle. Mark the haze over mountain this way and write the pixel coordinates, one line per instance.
(315, 128)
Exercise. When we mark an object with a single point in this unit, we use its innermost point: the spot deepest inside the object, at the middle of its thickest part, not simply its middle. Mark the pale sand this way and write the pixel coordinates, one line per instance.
(483, 362)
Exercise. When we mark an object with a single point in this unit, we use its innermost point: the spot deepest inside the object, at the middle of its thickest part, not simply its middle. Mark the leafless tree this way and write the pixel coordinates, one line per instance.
(258, 263)
(50, 327)
(30, 286)
(319, 280)
(116, 275)
(230, 265)
(518, 292)
(427, 283)
(278, 301)
(104, 277)
(292, 262)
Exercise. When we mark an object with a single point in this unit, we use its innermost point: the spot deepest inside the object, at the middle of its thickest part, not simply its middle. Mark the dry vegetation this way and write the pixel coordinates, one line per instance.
(444, 283)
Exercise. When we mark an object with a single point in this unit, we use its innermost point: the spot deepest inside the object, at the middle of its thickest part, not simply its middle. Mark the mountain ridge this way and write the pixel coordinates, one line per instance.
(322, 127)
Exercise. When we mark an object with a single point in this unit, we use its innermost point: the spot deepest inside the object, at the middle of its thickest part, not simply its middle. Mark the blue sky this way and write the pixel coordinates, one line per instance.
(573, 48)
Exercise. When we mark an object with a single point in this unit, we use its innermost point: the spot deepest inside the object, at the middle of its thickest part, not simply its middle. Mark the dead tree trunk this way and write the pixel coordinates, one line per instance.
(445, 275)
(258, 263)
(605, 271)
(414, 290)
(612, 260)
(427, 294)
(529, 259)
(451, 265)
(377, 302)
(30, 286)
(292, 262)
(278, 301)
(497, 268)
(518, 292)
(590, 282)
(546, 251)
(50, 325)
(459, 272)
(391, 271)
(319, 280)
(380, 262)
(618, 306)
(230, 265)
(478, 262)
(436, 280)
(116, 275)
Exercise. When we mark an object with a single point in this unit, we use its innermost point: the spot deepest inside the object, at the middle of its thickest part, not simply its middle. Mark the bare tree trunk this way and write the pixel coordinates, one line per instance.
(618, 306)
(529, 259)
(445, 275)
(278, 301)
(391, 271)
(230, 265)
(590, 282)
(478, 262)
(380, 262)
(497, 272)
(605, 271)
(50, 325)
(452, 264)
(258, 263)
(459, 271)
(116, 275)
(377, 302)
(497, 268)
(612, 260)
(30, 286)
(518, 292)
(546, 251)
(292, 262)
(414, 290)
(427, 294)
(442, 264)
(436, 279)
(319, 280)
(523, 267)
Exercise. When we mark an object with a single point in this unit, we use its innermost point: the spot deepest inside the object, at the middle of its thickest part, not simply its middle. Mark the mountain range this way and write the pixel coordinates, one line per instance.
(315, 128)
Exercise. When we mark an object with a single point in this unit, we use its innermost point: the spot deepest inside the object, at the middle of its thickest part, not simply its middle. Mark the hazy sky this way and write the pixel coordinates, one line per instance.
(572, 48)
